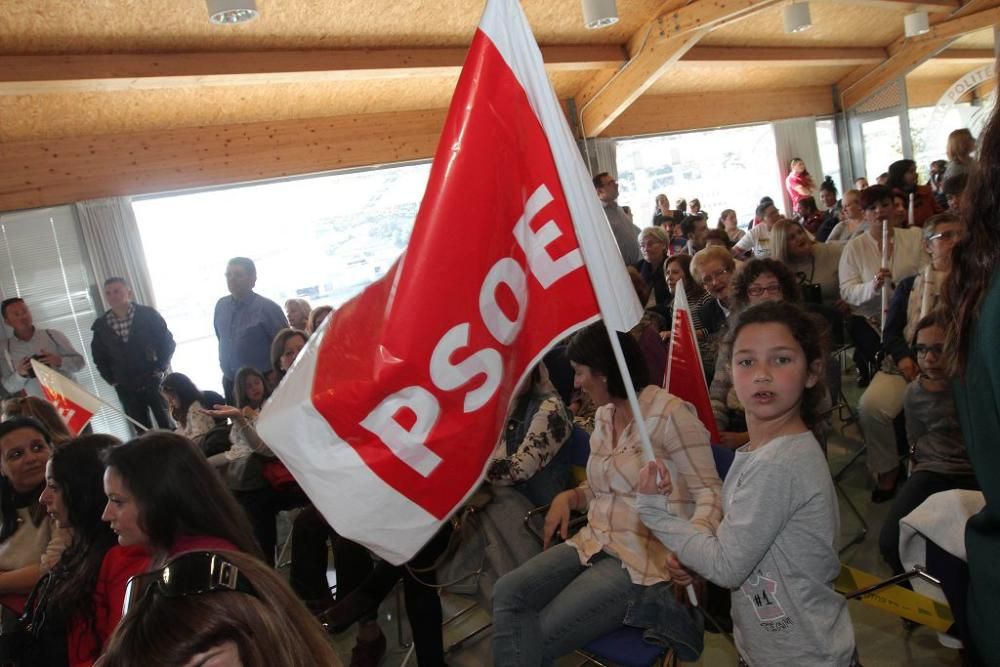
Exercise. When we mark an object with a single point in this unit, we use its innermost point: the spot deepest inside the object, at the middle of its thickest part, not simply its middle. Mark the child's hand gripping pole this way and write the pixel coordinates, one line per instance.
(654, 478)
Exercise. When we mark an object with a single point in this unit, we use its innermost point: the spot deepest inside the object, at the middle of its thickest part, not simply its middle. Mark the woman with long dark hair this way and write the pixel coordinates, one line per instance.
(185, 402)
(77, 605)
(972, 300)
(903, 177)
(163, 495)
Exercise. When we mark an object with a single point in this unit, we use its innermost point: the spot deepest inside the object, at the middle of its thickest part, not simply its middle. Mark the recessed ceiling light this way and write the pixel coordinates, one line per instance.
(796, 17)
(599, 13)
(228, 12)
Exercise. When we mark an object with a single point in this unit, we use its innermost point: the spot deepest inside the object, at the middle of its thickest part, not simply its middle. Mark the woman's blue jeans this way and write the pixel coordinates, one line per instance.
(552, 605)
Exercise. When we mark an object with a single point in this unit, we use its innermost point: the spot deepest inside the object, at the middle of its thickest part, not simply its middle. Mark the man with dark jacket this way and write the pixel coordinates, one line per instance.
(132, 348)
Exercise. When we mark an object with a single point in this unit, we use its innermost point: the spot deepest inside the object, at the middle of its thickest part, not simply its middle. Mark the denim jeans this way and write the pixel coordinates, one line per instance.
(552, 605)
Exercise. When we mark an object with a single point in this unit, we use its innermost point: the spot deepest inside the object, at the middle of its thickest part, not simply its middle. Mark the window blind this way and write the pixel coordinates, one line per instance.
(42, 260)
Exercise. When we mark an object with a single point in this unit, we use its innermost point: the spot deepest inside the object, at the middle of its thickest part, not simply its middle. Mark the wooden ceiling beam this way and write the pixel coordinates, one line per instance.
(967, 55)
(930, 6)
(906, 54)
(791, 56)
(654, 49)
(30, 74)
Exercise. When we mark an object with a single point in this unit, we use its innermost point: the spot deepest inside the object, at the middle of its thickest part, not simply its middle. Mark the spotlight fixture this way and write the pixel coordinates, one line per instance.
(228, 12)
(916, 24)
(796, 17)
(599, 13)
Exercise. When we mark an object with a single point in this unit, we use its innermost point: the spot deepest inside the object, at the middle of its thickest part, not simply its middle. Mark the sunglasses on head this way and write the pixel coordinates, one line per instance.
(194, 573)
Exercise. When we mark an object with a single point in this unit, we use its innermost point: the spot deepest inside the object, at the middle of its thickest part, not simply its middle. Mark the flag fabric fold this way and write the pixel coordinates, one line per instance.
(74, 403)
(685, 377)
(389, 416)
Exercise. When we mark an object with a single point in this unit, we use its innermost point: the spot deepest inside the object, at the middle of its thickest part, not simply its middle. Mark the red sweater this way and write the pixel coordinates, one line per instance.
(84, 643)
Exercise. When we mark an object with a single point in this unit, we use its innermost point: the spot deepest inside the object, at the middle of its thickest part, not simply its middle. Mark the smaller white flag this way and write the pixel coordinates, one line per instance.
(74, 403)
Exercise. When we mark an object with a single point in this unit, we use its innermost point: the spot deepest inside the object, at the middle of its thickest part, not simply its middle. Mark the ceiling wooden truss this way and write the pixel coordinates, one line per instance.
(87, 79)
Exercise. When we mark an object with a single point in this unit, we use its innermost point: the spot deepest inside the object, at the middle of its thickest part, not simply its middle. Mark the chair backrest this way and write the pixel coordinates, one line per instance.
(579, 453)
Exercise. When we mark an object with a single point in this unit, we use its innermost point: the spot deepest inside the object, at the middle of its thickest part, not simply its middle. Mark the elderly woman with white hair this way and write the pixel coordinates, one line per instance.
(298, 311)
(653, 245)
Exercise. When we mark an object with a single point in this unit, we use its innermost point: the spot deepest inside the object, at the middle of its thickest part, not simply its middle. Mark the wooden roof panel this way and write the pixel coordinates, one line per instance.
(28, 117)
(833, 24)
(943, 69)
(981, 39)
(696, 78)
(103, 26)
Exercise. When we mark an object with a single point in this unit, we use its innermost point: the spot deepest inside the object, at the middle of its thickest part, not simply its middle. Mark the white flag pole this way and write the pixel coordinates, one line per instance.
(139, 426)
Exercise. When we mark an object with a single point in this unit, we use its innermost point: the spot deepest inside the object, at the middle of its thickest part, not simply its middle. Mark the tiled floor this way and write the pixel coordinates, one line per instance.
(881, 638)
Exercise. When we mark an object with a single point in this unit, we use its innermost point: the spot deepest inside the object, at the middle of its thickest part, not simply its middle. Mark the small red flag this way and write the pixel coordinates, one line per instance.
(685, 374)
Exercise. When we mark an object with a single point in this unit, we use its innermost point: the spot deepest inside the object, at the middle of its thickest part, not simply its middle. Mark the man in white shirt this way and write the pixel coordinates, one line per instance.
(626, 233)
(758, 238)
(47, 346)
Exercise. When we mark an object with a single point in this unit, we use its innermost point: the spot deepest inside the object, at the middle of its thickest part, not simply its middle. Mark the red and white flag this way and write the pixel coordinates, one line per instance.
(389, 416)
(685, 374)
(75, 404)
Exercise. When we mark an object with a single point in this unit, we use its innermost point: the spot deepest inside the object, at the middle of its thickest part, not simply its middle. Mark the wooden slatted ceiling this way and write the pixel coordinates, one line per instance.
(833, 24)
(693, 78)
(981, 39)
(34, 117)
(102, 26)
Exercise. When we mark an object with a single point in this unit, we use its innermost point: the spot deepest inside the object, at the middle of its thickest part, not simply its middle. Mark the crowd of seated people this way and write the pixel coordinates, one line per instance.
(106, 547)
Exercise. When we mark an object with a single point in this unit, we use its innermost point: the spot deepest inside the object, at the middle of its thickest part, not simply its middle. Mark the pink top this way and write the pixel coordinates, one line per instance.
(793, 179)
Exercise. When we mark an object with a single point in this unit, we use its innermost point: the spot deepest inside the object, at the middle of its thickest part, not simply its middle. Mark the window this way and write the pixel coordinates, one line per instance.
(929, 129)
(42, 261)
(728, 168)
(829, 153)
(883, 145)
(321, 238)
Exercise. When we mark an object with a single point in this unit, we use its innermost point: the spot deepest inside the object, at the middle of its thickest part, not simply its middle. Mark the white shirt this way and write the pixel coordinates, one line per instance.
(758, 239)
(16, 350)
(862, 259)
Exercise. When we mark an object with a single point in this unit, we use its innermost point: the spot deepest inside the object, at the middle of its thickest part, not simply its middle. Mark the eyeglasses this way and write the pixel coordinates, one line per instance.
(194, 573)
(947, 236)
(757, 290)
(712, 277)
(924, 350)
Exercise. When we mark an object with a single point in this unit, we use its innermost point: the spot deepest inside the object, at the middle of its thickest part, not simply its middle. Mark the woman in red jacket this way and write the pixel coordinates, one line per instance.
(76, 606)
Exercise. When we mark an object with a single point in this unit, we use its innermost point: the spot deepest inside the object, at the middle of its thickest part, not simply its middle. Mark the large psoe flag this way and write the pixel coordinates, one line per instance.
(390, 415)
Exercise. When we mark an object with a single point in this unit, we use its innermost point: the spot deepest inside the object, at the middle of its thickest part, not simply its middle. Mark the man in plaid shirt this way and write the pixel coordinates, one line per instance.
(132, 348)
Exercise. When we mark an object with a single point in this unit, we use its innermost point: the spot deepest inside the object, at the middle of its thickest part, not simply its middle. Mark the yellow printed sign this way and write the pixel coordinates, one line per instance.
(895, 599)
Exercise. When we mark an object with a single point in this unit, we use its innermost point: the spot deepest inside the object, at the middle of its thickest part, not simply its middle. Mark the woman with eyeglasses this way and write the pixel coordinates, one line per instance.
(164, 496)
(218, 609)
(43, 411)
(914, 298)
(75, 607)
(30, 543)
